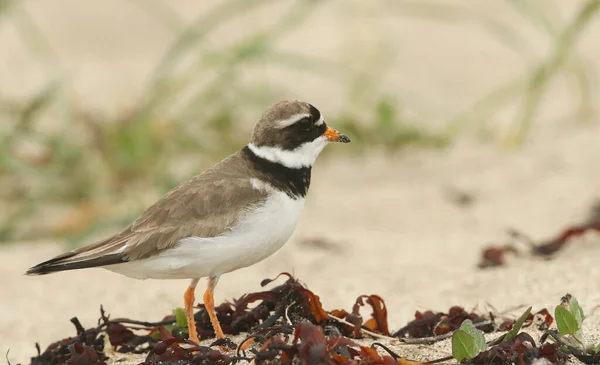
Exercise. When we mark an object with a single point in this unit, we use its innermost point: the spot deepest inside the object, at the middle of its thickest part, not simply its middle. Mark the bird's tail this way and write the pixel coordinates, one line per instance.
(73, 261)
(102, 253)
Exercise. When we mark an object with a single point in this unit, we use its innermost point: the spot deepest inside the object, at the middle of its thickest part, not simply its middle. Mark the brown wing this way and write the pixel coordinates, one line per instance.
(204, 206)
(204, 209)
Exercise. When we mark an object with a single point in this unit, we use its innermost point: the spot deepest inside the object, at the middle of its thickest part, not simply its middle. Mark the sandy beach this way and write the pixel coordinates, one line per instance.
(385, 224)
(390, 230)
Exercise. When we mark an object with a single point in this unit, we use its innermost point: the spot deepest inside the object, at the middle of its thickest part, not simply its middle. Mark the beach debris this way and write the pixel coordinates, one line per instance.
(520, 350)
(287, 324)
(541, 320)
(377, 323)
(428, 323)
(87, 348)
(494, 256)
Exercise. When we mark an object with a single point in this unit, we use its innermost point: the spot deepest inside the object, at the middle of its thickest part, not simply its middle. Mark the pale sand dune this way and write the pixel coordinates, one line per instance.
(396, 232)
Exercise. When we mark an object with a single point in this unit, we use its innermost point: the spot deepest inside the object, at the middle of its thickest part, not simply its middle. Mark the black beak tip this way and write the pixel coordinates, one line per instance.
(344, 139)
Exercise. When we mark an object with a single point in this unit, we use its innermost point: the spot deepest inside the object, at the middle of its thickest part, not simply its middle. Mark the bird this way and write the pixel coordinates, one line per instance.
(230, 216)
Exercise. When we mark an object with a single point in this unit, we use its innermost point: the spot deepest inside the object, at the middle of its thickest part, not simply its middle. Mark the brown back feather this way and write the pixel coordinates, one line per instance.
(206, 205)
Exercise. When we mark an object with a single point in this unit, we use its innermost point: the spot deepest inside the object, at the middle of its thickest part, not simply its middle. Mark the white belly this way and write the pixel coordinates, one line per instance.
(255, 237)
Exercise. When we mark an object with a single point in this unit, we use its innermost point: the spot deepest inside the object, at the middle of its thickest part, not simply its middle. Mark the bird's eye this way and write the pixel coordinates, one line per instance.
(304, 123)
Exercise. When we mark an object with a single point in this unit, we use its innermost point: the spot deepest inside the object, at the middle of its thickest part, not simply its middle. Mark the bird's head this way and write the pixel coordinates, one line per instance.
(292, 133)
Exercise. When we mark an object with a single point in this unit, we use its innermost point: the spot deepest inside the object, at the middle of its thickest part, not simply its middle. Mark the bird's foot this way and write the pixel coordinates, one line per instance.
(194, 338)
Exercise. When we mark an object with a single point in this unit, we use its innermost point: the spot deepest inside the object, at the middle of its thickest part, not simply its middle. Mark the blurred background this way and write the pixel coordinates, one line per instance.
(466, 117)
(106, 104)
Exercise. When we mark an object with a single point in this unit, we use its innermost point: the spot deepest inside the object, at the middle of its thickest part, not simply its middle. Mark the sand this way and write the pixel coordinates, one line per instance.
(390, 222)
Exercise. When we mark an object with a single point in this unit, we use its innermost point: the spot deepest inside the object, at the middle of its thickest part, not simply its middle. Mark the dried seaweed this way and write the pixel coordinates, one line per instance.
(542, 319)
(551, 247)
(428, 323)
(236, 317)
(87, 348)
(494, 256)
(520, 350)
(288, 325)
(377, 323)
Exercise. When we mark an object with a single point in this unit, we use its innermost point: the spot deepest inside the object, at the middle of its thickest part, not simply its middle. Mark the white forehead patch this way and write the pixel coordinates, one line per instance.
(291, 120)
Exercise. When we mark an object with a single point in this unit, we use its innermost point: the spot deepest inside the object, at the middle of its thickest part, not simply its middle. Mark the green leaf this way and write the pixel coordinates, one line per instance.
(477, 335)
(566, 321)
(467, 326)
(576, 311)
(463, 346)
(467, 342)
(517, 326)
(479, 340)
(180, 317)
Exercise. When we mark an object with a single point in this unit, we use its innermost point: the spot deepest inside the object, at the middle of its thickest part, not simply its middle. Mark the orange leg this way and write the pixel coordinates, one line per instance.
(189, 310)
(209, 304)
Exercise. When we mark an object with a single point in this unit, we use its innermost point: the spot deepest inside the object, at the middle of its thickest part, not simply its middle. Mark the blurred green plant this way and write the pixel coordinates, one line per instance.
(529, 88)
(92, 164)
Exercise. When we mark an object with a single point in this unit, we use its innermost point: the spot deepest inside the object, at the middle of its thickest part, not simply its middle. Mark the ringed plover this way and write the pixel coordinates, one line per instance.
(232, 215)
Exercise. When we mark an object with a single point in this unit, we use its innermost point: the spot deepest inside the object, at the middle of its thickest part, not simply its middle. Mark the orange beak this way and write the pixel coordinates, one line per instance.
(334, 136)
